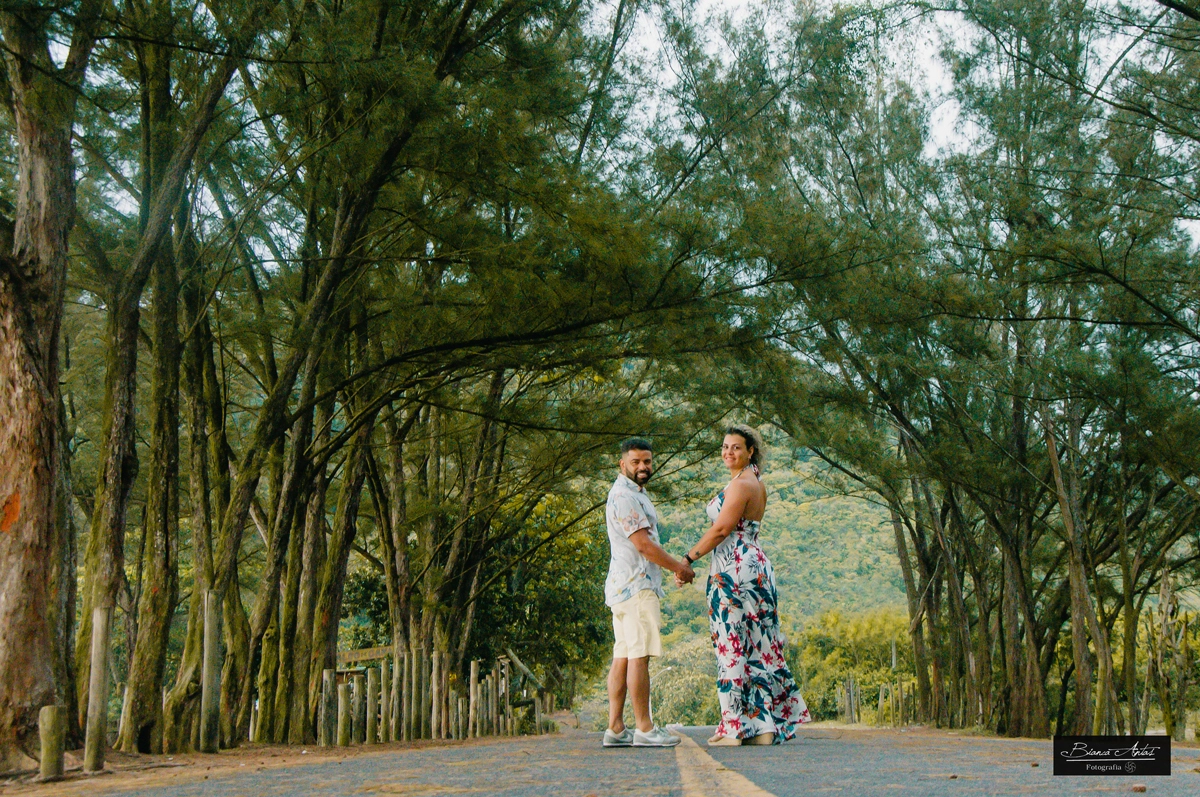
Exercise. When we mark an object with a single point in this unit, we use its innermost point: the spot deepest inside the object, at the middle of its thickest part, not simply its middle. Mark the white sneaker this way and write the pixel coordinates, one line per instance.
(655, 737)
(622, 739)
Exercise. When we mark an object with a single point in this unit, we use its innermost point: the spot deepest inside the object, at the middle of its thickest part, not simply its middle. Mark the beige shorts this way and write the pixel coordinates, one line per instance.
(635, 626)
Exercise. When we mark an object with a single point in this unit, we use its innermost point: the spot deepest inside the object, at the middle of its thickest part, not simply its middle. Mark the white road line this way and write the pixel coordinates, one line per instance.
(702, 776)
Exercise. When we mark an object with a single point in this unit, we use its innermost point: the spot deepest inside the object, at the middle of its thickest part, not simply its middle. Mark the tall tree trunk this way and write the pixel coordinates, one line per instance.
(280, 702)
(1081, 599)
(287, 496)
(141, 719)
(961, 638)
(916, 631)
(328, 607)
(64, 581)
(1129, 617)
(32, 283)
(236, 627)
(398, 525)
(187, 685)
(1014, 668)
(307, 675)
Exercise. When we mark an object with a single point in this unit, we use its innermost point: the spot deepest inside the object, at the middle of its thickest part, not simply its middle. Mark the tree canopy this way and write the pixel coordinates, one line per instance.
(304, 298)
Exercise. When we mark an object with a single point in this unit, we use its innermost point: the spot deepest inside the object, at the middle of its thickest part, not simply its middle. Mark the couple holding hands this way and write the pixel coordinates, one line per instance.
(760, 702)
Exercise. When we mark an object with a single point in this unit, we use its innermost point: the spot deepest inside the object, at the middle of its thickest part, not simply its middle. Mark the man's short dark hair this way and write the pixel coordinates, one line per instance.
(635, 444)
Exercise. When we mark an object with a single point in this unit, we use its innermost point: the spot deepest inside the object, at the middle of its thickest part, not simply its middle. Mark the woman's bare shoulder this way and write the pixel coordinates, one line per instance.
(744, 485)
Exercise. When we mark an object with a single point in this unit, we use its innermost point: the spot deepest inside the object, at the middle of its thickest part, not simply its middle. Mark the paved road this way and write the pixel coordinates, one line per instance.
(572, 764)
(862, 763)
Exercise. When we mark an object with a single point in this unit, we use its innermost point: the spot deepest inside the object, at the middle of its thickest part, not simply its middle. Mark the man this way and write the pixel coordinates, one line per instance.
(632, 591)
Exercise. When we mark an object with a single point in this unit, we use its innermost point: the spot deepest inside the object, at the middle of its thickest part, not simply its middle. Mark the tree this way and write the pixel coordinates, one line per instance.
(41, 97)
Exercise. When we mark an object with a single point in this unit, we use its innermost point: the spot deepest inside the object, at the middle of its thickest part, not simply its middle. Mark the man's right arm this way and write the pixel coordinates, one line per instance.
(650, 549)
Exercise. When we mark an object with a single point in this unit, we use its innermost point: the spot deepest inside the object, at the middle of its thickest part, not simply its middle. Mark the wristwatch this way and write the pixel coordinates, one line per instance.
(687, 557)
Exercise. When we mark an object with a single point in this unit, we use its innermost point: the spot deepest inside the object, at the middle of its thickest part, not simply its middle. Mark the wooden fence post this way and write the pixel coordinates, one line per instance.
(344, 719)
(435, 695)
(52, 731)
(372, 725)
(385, 702)
(416, 694)
(485, 714)
(397, 698)
(97, 715)
(327, 715)
(446, 697)
(358, 705)
(481, 720)
(505, 677)
(406, 713)
(426, 696)
(473, 698)
(210, 677)
(497, 729)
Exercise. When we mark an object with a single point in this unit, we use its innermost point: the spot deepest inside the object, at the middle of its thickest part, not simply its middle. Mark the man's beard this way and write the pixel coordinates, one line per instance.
(640, 477)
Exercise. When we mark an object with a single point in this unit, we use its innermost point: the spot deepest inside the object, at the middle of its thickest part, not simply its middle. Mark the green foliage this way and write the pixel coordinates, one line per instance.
(834, 646)
(365, 621)
(550, 607)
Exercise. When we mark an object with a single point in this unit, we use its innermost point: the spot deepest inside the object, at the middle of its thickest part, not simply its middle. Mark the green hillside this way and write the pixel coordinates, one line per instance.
(829, 551)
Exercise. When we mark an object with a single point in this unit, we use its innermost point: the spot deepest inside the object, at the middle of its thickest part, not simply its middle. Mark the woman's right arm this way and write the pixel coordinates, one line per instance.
(737, 494)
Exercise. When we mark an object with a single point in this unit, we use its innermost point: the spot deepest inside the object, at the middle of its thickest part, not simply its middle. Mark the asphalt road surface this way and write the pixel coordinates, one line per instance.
(822, 760)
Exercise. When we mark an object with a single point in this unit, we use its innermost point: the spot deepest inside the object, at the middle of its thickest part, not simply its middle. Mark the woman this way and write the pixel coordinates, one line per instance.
(760, 702)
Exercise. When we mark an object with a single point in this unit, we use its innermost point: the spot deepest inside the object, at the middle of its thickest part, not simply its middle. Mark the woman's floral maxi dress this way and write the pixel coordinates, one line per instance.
(757, 691)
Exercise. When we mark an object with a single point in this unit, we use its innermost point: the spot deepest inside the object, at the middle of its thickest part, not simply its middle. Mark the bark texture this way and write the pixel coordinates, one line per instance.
(32, 281)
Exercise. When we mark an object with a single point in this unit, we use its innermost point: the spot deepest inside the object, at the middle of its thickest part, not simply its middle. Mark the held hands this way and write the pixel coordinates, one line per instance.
(685, 576)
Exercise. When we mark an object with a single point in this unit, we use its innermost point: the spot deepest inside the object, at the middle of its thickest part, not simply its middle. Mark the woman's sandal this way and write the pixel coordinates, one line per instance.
(762, 738)
(724, 741)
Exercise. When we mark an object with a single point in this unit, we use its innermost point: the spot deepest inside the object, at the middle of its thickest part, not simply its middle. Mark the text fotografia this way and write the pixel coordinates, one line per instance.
(1112, 755)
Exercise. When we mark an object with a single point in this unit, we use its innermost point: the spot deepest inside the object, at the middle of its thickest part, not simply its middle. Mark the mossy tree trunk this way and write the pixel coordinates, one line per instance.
(41, 96)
